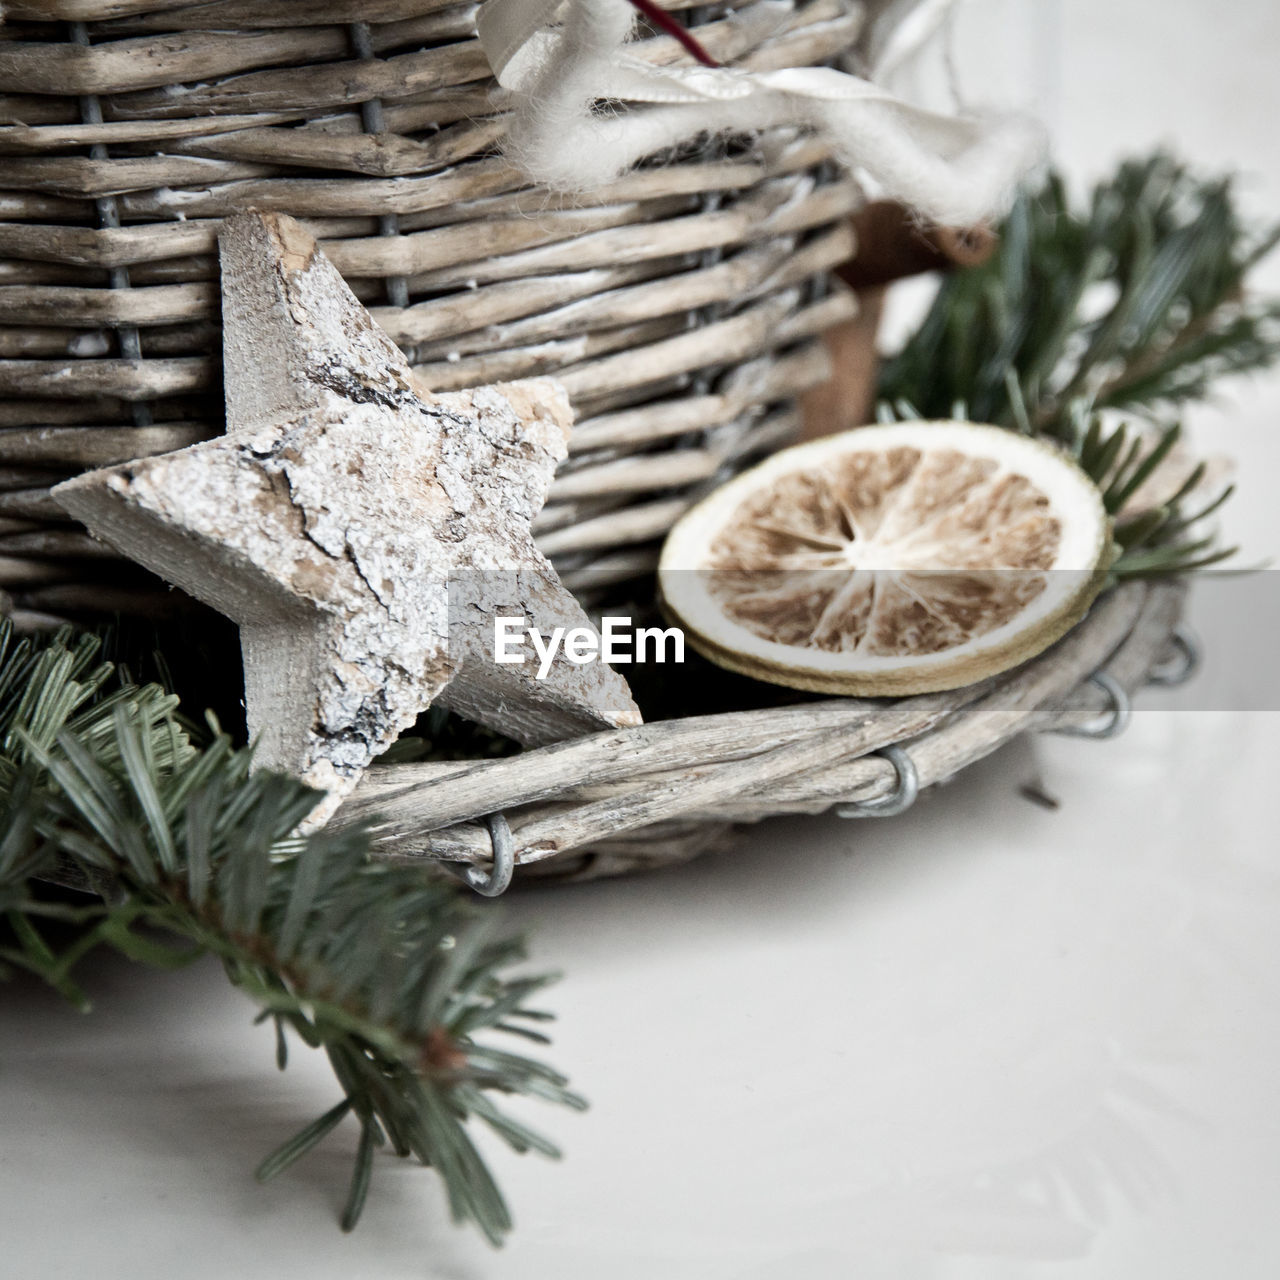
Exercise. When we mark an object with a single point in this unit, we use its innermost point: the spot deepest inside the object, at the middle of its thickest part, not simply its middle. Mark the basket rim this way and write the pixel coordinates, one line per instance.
(570, 801)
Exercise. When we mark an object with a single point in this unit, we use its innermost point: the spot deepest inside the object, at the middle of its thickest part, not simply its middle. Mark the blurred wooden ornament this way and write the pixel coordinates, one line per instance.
(893, 244)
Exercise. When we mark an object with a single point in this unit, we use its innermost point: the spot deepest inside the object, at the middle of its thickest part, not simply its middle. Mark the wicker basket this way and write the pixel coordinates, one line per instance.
(681, 305)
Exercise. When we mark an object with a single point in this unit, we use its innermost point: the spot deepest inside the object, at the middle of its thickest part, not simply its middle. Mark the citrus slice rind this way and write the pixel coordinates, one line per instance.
(889, 560)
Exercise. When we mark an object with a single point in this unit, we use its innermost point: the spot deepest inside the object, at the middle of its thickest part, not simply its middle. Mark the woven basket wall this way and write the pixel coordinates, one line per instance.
(681, 305)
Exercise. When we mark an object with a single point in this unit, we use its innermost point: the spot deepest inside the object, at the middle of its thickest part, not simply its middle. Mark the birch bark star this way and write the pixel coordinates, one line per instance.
(335, 514)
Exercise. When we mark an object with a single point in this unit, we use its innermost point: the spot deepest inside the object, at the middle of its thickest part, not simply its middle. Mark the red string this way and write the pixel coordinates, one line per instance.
(665, 22)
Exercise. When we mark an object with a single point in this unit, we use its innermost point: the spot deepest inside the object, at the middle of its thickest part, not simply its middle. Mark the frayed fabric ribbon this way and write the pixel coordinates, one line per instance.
(561, 59)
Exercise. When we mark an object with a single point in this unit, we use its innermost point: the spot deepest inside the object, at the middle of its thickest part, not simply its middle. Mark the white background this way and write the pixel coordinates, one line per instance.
(979, 1042)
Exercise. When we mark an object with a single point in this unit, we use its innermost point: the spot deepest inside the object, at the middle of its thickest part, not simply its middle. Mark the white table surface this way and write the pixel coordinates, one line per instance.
(979, 1042)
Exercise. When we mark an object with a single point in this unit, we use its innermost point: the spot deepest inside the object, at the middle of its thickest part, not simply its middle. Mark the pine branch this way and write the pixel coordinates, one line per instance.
(389, 970)
(1137, 304)
(1158, 539)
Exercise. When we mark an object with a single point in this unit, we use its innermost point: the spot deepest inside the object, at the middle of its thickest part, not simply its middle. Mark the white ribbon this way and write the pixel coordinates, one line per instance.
(906, 28)
(559, 59)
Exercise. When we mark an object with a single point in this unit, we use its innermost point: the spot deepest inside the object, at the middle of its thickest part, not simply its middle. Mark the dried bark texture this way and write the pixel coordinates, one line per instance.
(330, 519)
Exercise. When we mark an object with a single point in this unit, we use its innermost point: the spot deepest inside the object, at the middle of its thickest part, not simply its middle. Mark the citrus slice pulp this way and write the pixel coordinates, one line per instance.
(890, 559)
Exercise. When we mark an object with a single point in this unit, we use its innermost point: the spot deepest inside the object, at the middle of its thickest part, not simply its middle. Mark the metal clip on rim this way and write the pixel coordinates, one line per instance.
(1181, 665)
(1114, 721)
(494, 882)
(899, 801)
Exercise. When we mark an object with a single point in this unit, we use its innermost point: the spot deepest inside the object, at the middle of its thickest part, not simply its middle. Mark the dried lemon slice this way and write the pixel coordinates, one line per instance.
(889, 560)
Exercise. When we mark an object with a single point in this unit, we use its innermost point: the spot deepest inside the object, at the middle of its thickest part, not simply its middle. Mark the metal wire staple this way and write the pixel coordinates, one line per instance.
(494, 882)
(1182, 664)
(899, 801)
(1114, 721)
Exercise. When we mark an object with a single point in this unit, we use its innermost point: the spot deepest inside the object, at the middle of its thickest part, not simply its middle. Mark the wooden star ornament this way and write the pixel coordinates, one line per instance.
(336, 514)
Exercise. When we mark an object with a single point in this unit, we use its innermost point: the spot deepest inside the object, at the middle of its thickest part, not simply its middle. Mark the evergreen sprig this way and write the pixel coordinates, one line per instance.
(389, 970)
(1136, 305)
(1166, 538)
